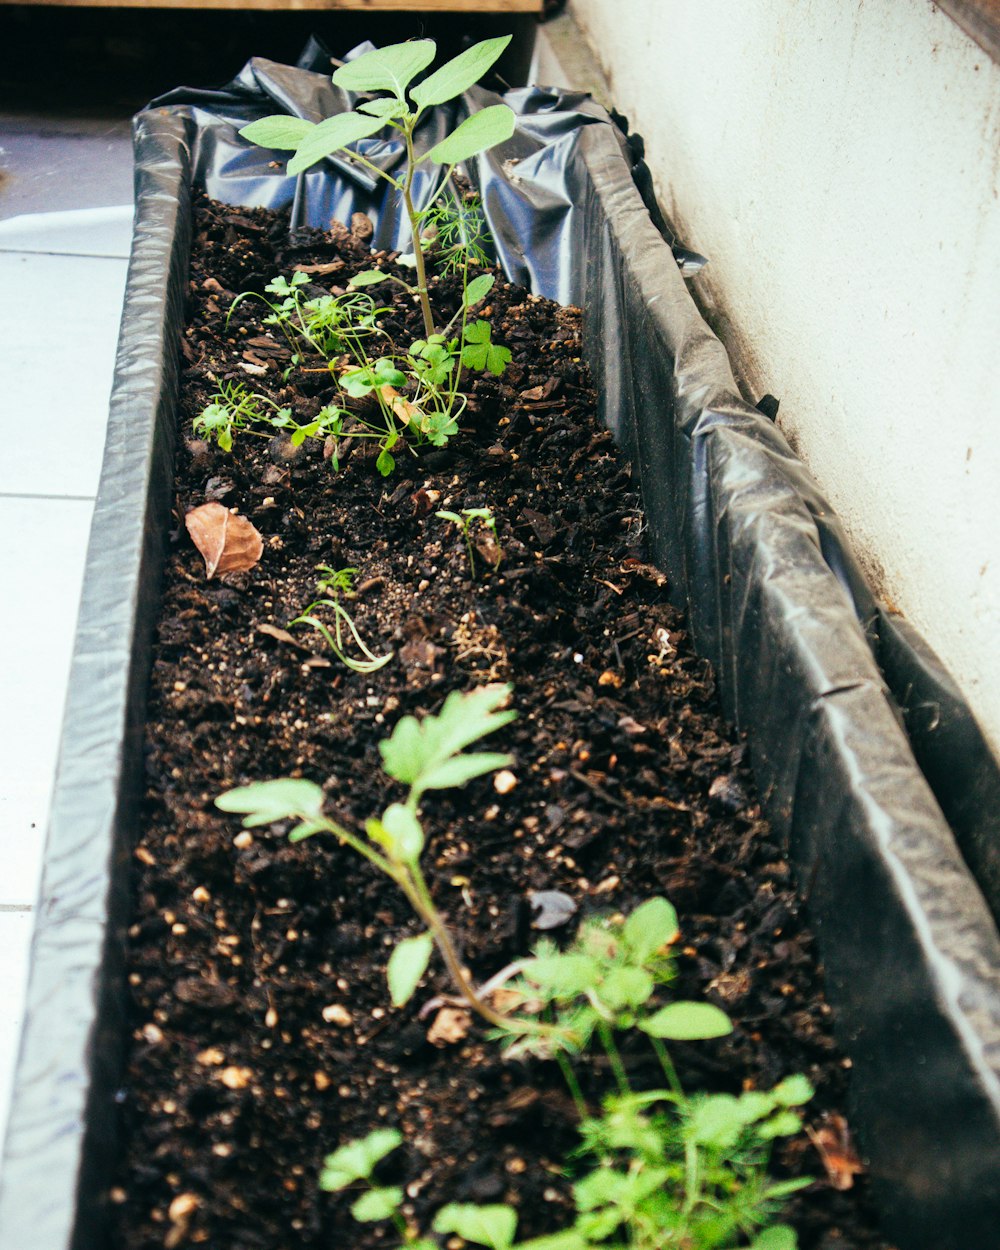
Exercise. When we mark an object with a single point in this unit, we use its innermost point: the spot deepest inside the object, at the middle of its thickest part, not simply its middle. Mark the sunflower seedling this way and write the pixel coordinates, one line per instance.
(388, 73)
(423, 755)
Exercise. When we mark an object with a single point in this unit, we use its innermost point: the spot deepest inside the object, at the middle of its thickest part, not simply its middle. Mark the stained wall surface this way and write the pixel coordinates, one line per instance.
(840, 166)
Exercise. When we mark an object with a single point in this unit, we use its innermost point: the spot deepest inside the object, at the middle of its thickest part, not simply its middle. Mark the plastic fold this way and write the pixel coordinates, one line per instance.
(861, 743)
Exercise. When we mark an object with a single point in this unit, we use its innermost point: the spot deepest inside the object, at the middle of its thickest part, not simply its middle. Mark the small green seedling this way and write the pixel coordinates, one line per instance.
(605, 982)
(336, 582)
(332, 585)
(328, 325)
(387, 73)
(327, 423)
(455, 229)
(233, 408)
(673, 1170)
(481, 353)
(423, 755)
(659, 1170)
(465, 521)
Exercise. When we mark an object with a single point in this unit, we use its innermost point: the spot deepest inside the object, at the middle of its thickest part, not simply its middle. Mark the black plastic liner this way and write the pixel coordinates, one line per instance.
(776, 602)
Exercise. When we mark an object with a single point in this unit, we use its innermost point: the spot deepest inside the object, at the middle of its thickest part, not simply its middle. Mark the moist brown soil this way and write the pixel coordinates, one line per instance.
(262, 1032)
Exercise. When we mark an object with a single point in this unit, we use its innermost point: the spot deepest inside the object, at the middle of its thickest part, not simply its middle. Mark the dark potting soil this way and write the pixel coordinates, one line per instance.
(262, 1031)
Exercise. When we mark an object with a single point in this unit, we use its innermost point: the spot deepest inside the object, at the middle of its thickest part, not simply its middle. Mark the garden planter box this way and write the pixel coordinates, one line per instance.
(911, 950)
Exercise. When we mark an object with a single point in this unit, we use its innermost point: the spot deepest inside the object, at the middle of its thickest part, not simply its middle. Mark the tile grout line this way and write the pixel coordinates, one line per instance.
(36, 251)
(14, 494)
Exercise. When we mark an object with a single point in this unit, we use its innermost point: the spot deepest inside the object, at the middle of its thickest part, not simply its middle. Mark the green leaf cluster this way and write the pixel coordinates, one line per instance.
(430, 754)
(674, 1170)
(392, 70)
(481, 353)
(605, 980)
(234, 408)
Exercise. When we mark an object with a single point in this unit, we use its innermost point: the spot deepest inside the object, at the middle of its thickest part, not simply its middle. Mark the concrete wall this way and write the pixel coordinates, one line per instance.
(840, 166)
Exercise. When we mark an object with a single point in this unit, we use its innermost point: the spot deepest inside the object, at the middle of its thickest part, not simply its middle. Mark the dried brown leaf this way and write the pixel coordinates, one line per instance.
(281, 635)
(450, 1025)
(321, 271)
(833, 1141)
(229, 543)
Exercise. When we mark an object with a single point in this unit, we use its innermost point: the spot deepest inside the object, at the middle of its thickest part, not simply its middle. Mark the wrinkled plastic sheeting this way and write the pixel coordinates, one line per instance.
(775, 600)
(776, 603)
(62, 1138)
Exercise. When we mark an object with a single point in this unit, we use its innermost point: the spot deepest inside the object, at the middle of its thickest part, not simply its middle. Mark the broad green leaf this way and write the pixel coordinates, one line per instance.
(716, 1121)
(356, 1160)
(459, 74)
(386, 69)
(407, 964)
(331, 136)
(280, 131)
(478, 289)
(404, 837)
(385, 463)
(784, 1124)
(478, 332)
(564, 975)
(498, 359)
(388, 108)
(377, 1204)
(386, 373)
(625, 987)
(687, 1022)
(368, 278)
(568, 1240)
(793, 1091)
(415, 748)
(478, 133)
(780, 1237)
(264, 802)
(651, 926)
(755, 1105)
(492, 1226)
(357, 382)
(462, 769)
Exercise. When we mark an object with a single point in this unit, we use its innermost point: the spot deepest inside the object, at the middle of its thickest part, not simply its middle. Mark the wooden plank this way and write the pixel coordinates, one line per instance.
(371, 6)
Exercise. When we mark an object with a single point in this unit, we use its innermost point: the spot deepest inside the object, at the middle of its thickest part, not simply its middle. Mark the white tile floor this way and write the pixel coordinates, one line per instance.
(63, 276)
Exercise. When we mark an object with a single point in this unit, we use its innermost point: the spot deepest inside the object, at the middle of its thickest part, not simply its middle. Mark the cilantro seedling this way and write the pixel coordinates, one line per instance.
(233, 408)
(332, 585)
(480, 352)
(465, 520)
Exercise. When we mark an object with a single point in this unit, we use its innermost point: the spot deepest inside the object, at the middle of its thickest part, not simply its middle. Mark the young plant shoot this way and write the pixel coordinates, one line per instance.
(465, 521)
(332, 585)
(423, 755)
(387, 74)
